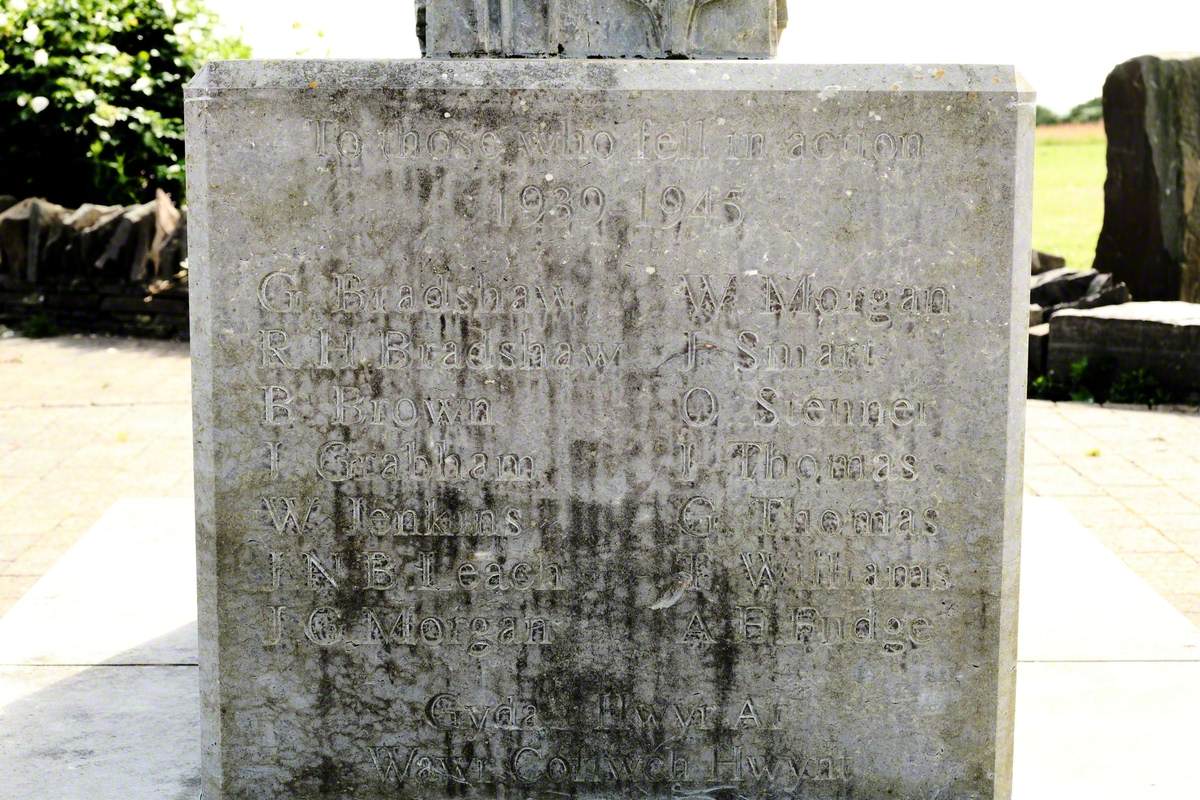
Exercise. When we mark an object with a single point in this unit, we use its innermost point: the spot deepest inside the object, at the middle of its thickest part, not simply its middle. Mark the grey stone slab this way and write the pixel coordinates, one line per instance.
(608, 428)
(1161, 337)
(595, 29)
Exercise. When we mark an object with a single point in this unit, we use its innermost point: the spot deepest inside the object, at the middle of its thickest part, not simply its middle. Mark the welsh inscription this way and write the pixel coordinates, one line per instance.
(607, 443)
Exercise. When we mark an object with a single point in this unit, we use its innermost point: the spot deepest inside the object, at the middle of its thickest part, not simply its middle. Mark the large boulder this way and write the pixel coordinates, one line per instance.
(1151, 234)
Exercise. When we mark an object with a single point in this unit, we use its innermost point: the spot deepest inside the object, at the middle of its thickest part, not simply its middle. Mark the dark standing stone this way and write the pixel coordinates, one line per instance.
(1151, 234)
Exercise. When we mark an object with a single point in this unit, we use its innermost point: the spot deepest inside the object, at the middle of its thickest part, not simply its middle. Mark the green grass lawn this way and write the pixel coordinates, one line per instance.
(1068, 191)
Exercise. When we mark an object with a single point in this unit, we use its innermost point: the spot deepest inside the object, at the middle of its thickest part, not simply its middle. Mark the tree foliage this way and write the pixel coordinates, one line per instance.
(1045, 116)
(1091, 111)
(91, 95)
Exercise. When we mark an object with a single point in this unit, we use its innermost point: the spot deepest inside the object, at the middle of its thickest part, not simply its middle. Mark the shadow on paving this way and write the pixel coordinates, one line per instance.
(119, 729)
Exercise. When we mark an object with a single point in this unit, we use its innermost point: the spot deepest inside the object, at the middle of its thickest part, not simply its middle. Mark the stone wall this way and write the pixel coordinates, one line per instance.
(111, 269)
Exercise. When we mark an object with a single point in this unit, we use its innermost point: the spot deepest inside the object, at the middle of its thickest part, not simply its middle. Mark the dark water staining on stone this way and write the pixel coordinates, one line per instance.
(592, 551)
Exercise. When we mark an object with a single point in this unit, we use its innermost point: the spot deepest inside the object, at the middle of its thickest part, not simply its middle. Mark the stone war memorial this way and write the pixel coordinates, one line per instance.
(608, 428)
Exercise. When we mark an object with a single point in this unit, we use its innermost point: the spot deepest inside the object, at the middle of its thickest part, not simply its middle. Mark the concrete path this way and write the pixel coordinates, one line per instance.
(83, 423)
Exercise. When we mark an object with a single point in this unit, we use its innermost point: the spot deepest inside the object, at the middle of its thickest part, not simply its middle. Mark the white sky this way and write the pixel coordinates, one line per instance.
(1064, 48)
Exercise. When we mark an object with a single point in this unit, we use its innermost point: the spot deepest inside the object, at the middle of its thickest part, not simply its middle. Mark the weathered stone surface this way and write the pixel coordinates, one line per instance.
(1162, 338)
(608, 429)
(1151, 234)
(1037, 314)
(593, 29)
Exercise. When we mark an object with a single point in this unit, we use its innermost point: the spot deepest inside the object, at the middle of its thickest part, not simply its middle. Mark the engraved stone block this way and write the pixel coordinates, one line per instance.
(608, 429)
(601, 28)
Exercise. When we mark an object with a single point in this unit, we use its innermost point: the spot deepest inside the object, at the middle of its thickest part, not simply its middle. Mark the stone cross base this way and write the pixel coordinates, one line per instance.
(601, 28)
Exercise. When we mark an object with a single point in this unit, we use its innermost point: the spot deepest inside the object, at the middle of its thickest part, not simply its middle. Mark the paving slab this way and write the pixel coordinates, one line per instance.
(1109, 730)
(1080, 602)
(1130, 476)
(99, 733)
(107, 417)
(98, 679)
(125, 593)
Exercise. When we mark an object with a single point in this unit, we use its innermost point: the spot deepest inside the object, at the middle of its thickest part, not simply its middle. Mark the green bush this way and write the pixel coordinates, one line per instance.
(91, 95)
(1098, 380)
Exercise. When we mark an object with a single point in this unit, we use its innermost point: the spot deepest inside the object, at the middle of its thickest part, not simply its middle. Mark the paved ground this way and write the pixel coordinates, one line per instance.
(1132, 478)
(85, 422)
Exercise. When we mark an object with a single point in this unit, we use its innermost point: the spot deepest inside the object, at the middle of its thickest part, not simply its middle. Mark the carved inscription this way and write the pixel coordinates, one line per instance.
(596, 453)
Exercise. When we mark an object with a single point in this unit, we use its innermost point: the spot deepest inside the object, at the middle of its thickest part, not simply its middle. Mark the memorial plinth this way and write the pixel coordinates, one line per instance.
(608, 429)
